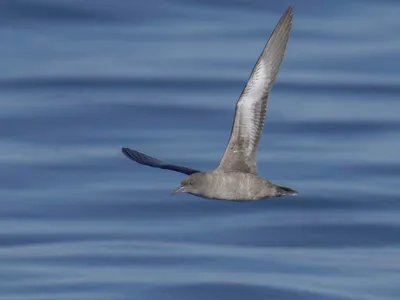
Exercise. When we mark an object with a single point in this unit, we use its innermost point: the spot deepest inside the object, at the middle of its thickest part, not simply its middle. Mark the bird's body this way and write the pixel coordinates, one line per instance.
(233, 185)
(236, 177)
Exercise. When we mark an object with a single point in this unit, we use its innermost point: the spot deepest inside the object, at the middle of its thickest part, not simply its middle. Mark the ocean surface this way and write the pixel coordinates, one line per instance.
(81, 79)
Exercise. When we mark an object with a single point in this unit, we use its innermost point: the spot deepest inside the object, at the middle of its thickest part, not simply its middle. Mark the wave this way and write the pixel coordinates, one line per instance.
(196, 84)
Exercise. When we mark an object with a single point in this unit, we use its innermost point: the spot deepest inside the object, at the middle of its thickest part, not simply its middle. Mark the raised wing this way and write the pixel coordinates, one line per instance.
(241, 152)
(144, 159)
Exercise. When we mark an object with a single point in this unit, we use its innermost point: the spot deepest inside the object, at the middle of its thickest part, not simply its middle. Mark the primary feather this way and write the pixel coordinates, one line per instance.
(240, 154)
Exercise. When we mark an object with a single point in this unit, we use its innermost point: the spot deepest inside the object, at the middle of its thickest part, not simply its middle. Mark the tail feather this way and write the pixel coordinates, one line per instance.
(284, 191)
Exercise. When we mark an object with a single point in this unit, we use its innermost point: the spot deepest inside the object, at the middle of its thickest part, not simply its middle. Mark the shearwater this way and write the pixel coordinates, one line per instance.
(236, 177)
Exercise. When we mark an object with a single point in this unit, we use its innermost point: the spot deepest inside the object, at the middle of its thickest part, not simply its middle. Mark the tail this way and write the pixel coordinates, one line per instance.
(284, 191)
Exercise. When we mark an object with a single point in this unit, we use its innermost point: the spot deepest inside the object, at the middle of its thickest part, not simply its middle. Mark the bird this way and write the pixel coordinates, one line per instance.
(236, 177)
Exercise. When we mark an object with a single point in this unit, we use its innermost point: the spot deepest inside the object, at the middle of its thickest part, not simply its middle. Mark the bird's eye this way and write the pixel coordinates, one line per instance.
(190, 182)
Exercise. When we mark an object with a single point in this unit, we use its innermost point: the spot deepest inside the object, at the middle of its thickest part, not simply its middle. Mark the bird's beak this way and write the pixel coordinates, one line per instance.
(180, 189)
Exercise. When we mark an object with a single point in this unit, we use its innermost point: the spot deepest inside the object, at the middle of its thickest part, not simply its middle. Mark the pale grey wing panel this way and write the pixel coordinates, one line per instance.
(241, 152)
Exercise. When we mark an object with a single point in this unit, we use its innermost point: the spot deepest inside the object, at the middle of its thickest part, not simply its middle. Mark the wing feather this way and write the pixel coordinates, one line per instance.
(147, 160)
(241, 151)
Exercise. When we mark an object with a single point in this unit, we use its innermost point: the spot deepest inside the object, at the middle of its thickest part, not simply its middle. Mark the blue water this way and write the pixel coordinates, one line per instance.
(81, 79)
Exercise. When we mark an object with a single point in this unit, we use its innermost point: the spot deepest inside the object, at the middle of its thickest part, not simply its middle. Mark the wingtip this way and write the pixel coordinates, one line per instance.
(124, 150)
(285, 22)
(289, 12)
(130, 153)
(141, 158)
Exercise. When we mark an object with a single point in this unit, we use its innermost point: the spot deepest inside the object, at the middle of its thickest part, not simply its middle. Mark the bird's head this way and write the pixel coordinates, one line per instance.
(190, 185)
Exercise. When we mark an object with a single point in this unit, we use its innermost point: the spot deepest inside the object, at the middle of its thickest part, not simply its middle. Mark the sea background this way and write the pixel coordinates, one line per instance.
(80, 79)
